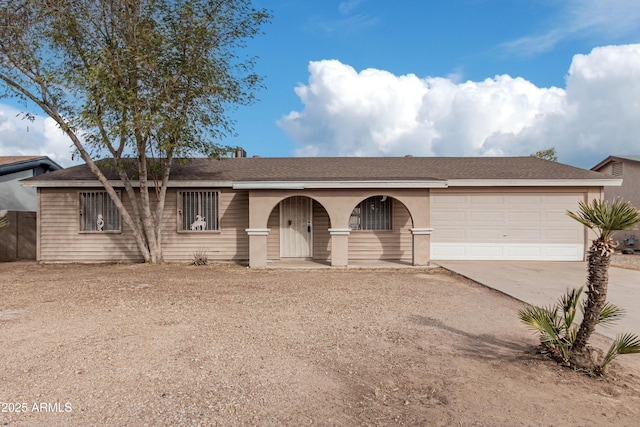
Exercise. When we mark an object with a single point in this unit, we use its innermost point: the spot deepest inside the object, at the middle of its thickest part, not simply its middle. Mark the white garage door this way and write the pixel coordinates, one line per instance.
(505, 226)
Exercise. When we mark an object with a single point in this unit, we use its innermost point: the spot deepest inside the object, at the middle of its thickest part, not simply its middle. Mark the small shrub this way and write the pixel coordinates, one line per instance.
(200, 257)
(558, 332)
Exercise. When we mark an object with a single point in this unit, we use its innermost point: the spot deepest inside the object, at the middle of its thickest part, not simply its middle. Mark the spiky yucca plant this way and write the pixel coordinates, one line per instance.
(623, 344)
(558, 330)
(555, 323)
(200, 257)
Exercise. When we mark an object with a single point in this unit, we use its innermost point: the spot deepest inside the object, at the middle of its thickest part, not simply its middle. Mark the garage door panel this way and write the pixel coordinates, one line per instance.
(486, 200)
(566, 200)
(562, 235)
(452, 234)
(518, 226)
(479, 251)
(524, 216)
(486, 217)
(450, 216)
(524, 199)
(483, 235)
(456, 199)
(568, 252)
(524, 252)
(525, 234)
(558, 218)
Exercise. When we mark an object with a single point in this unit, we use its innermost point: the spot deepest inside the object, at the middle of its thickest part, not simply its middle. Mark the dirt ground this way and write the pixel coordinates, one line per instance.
(224, 345)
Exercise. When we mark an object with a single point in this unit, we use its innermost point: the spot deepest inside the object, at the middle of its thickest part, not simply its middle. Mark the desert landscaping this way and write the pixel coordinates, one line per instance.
(133, 344)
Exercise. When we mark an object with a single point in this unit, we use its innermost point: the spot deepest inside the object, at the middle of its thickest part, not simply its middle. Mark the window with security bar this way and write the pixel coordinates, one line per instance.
(198, 211)
(98, 212)
(373, 213)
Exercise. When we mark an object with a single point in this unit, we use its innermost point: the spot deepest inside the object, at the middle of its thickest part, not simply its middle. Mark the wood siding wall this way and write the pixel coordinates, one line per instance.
(61, 240)
(273, 239)
(321, 236)
(395, 244)
(230, 243)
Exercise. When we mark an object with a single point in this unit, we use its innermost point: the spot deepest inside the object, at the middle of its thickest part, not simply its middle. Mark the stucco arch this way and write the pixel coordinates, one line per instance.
(277, 202)
(378, 194)
(338, 204)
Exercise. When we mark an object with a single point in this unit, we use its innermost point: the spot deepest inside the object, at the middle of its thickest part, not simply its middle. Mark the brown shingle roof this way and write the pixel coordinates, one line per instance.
(357, 169)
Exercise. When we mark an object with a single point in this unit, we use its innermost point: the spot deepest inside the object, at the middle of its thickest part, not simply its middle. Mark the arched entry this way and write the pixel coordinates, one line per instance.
(381, 230)
(296, 227)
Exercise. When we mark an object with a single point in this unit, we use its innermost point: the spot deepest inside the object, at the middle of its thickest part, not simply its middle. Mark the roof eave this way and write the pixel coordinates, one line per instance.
(33, 163)
(611, 159)
(303, 185)
(93, 183)
(602, 182)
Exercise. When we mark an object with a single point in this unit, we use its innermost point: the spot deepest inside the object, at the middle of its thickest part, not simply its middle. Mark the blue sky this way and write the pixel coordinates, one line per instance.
(441, 78)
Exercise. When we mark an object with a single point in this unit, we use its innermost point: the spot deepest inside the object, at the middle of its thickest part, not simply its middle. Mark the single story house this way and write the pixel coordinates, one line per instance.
(335, 210)
(628, 169)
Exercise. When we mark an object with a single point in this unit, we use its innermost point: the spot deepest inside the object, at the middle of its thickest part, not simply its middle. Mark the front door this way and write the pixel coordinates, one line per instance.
(295, 227)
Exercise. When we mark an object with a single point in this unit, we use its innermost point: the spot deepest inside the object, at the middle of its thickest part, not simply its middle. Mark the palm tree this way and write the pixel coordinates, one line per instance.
(603, 219)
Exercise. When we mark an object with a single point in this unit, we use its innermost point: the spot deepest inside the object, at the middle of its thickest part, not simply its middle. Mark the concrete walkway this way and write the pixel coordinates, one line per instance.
(543, 283)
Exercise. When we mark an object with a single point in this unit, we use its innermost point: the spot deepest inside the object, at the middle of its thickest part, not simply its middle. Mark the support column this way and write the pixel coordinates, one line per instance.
(421, 246)
(339, 246)
(257, 247)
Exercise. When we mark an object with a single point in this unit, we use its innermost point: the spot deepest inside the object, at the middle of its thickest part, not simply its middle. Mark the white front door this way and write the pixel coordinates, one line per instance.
(295, 227)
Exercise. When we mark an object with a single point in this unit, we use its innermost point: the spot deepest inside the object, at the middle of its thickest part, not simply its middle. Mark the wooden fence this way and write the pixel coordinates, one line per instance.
(18, 239)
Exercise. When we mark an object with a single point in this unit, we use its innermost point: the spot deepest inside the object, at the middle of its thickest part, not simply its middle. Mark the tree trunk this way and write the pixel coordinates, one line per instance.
(599, 258)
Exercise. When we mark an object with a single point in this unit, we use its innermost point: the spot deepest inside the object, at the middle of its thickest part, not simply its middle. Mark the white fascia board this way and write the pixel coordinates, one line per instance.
(535, 182)
(290, 185)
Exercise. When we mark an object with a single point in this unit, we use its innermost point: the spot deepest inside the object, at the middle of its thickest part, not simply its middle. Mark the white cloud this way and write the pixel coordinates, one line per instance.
(375, 113)
(346, 7)
(606, 19)
(22, 137)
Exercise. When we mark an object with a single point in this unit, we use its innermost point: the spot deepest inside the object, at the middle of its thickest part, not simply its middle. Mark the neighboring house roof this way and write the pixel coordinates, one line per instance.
(614, 159)
(13, 164)
(307, 172)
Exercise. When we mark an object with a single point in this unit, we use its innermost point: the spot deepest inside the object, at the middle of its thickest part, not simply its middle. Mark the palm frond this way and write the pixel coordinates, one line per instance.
(543, 320)
(610, 314)
(604, 219)
(623, 344)
(568, 302)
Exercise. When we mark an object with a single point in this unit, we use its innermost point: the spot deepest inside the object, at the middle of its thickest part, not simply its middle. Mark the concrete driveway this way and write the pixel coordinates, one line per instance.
(542, 283)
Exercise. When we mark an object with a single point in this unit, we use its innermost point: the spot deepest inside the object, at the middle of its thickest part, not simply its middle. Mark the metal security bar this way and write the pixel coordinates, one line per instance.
(373, 213)
(98, 212)
(199, 210)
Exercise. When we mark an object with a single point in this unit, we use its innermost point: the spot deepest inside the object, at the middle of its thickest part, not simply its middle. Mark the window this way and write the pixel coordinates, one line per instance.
(373, 213)
(98, 212)
(198, 211)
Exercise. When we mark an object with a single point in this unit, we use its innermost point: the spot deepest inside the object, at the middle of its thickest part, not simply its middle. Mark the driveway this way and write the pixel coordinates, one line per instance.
(542, 283)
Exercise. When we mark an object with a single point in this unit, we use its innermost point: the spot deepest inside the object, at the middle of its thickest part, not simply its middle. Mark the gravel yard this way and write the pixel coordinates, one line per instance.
(170, 345)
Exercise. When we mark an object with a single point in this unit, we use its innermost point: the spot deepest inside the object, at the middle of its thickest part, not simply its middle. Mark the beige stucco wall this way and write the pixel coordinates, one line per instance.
(628, 191)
